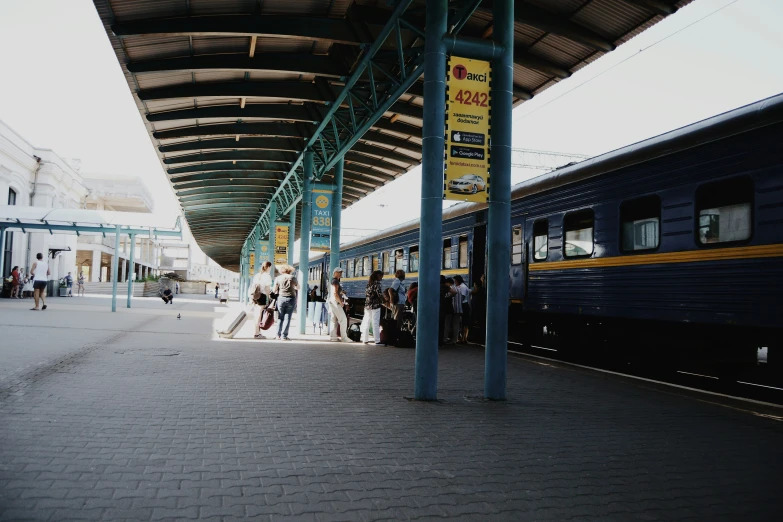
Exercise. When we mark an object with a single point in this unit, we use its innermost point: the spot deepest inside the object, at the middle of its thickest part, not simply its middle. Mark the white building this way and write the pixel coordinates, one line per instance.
(32, 176)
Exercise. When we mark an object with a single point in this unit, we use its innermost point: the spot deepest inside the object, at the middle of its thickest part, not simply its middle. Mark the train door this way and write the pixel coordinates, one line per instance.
(517, 269)
(478, 254)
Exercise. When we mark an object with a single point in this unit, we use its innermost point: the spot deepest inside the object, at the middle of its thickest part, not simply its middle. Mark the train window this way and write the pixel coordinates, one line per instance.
(350, 268)
(724, 210)
(640, 224)
(578, 227)
(463, 252)
(357, 267)
(540, 239)
(447, 254)
(374, 263)
(366, 266)
(516, 245)
(413, 259)
(385, 265)
(398, 260)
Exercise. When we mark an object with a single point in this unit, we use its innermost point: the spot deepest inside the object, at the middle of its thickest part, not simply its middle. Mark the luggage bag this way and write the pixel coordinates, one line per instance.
(232, 323)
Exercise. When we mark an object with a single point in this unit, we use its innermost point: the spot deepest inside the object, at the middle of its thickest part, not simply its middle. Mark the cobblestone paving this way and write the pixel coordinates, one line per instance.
(146, 424)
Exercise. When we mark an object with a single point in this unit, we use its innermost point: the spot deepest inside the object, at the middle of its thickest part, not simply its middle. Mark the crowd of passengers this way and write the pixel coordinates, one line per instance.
(383, 310)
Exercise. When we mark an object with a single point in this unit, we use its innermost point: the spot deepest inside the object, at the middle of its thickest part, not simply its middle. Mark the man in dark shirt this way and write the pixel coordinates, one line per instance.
(167, 296)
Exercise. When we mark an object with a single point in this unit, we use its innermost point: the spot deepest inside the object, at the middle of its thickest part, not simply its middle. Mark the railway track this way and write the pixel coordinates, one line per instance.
(753, 384)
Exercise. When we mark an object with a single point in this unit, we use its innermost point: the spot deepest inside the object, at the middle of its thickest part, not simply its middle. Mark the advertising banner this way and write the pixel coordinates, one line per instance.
(263, 255)
(466, 175)
(252, 264)
(322, 218)
(281, 243)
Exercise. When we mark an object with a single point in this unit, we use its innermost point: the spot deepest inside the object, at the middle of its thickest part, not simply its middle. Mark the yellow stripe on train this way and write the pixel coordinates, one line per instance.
(689, 256)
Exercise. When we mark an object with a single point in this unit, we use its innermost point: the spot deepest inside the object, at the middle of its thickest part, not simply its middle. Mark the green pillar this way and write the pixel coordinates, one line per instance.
(431, 230)
(130, 271)
(499, 221)
(337, 210)
(291, 235)
(304, 241)
(272, 219)
(114, 269)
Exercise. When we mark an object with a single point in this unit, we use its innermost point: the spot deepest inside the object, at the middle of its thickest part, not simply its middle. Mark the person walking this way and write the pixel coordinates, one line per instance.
(259, 294)
(335, 303)
(15, 283)
(372, 308)
(40, 274)
(285, 288)
(398, 308)
(69, 284)
(80, 284)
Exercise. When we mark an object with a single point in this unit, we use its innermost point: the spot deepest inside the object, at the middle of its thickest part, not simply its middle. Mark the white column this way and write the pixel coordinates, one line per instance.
(95, 269)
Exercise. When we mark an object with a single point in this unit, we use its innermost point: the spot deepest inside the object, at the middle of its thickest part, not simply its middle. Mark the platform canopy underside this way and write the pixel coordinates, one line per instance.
(232, 91)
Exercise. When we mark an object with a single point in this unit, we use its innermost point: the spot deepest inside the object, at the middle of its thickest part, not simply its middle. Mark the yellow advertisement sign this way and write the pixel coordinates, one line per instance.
(281, 244)
(466, 176)
(252, 263)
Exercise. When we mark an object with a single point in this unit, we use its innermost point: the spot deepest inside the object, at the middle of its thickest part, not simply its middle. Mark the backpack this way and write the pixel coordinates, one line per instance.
(257, 293)
(391, 296)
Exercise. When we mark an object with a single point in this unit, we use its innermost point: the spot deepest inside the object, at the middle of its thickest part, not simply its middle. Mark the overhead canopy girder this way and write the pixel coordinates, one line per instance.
(234, 189)
(239, 165)
(299, 27)
(291, 130)
(298, 63)
(227, 175)
(274, 111)
(275, 156)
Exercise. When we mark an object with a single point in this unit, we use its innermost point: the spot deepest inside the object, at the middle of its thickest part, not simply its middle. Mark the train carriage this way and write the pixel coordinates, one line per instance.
(673, 244)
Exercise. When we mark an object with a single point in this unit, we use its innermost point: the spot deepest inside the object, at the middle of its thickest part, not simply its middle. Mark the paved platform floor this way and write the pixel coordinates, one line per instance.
(139, 415)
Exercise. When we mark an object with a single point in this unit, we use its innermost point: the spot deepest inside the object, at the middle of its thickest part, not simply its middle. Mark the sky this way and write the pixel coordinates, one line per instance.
(62, 88)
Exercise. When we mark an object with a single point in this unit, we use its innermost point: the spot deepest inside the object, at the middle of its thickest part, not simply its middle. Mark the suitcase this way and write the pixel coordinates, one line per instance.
(388, 331)
(231, 323)
(406, 340)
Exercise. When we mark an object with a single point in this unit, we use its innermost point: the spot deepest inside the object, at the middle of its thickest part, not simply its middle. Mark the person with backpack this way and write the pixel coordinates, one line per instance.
(372, 308)
(258, 293)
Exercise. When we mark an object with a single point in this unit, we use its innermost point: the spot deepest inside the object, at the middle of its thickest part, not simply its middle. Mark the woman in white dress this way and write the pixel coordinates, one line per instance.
(259, 294)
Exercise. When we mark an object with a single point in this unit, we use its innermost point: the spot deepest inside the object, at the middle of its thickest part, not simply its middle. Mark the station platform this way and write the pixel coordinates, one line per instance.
(138, 415)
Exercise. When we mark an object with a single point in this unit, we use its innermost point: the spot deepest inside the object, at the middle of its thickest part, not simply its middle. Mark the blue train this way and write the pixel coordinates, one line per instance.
(671, 248)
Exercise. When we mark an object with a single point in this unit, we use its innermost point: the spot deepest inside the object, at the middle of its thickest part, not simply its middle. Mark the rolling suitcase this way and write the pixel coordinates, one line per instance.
(231, 323)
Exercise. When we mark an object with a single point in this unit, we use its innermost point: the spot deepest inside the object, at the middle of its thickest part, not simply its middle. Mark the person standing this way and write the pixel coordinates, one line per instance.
(453, 311)
(259, 294)
(217, 288)
(69, 284)
(285, 288)
(335, 303)
(398, 309)
(15, 282)
(176, 287)
(372, 308)
(444, 305)
(40, 274)
(464, 296)
(80, 284)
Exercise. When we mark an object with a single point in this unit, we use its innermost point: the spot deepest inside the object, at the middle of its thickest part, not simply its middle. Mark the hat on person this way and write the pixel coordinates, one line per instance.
(338, 269)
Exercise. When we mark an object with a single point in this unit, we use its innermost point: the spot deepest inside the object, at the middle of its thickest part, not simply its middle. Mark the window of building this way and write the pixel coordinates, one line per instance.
(640, 224)
(413, 259)
(366, 266)
(463, 252)
(447, 254)
(516, 245)
(540, 239)
(578, 228)
(724, 210)
(398, 260)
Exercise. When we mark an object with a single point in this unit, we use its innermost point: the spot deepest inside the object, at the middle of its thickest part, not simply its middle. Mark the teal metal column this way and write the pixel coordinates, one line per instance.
(291, 235)
(431, 230)
(337, 210)
(304, 239)
(130, 271)
(499, 222)
(257, 248)
(241, 289)
(114, 269)
(272, 219)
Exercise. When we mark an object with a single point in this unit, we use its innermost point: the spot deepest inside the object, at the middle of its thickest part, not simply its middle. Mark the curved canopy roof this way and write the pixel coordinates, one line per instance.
(232, 91)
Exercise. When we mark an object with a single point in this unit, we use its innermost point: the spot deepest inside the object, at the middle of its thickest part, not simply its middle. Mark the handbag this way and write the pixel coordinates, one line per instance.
(268, 316)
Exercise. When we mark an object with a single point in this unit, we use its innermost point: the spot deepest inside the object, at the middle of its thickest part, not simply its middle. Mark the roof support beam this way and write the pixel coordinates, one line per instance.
(298, 63)
(239, 165)
(275, 111)
(274, 156)
(303, 91)
(658, 7)
(231, 143)
(230, 176)
(288, 130)
(270, 26)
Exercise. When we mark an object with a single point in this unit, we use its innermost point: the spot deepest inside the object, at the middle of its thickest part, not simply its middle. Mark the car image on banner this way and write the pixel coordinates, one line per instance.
(468, 184)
